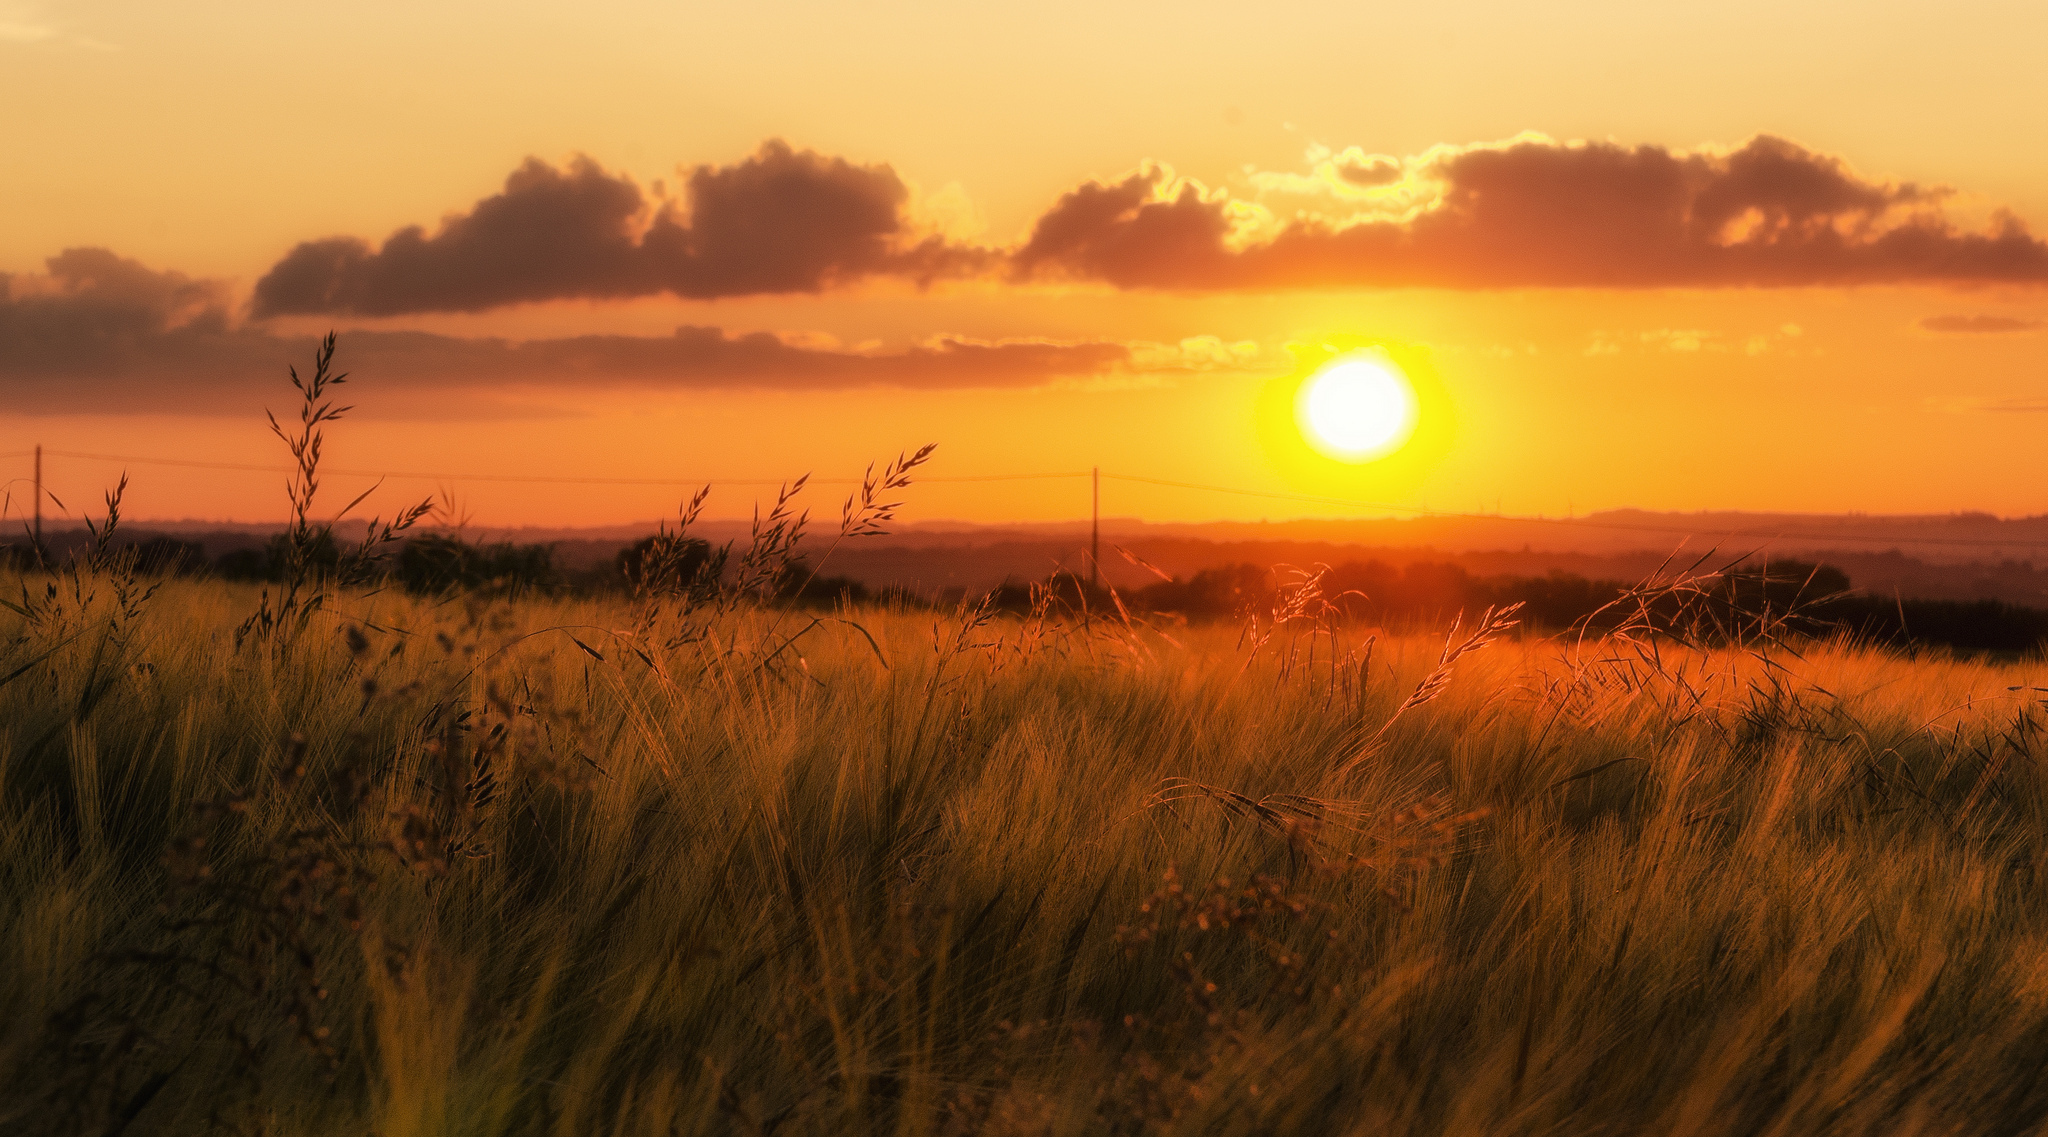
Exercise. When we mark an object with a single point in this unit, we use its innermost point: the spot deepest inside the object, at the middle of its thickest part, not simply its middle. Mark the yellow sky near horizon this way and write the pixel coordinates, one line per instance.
(211, 140)
(1845, 408)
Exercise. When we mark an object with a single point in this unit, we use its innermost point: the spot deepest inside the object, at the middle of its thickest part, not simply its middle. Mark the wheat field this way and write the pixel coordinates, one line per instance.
(478, 866)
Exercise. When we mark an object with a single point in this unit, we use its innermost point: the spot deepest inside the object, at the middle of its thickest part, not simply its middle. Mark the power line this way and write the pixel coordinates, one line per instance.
(1418, 511)
(531, 479)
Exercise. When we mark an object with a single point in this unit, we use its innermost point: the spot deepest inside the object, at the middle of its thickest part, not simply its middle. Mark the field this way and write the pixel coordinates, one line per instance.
(482, 866)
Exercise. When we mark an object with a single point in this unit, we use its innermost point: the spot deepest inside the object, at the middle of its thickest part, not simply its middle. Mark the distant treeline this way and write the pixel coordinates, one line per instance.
(1803, 598)
(437, 564)
(425, 564)
(1785, 596)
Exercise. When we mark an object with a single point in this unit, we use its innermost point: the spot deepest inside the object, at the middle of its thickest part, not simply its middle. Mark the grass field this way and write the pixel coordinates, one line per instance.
(484, 867)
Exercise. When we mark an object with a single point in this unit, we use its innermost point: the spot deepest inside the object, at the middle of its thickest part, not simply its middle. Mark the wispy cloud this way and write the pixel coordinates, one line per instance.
(1978, 405)
(26, 25)
(102, 332)
(1689, 341)
(1980, 325)
(18, 26)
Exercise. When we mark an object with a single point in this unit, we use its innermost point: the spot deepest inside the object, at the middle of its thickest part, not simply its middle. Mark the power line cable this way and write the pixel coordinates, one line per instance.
(1418, 511)
(533, 479)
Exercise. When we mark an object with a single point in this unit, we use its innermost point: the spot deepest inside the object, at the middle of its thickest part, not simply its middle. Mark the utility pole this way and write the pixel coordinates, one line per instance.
(1094, 527)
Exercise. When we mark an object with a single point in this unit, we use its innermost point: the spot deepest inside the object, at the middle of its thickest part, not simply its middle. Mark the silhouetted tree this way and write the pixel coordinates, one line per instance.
(671, 564)
(435, 565)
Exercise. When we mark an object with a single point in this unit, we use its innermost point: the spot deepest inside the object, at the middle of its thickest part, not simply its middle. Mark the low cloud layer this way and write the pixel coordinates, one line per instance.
(1532, 213)
(781, 221)
(102, 334)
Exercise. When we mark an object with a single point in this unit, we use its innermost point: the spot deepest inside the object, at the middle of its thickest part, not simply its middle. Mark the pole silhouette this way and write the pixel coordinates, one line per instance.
(38, 538)
(1095, 527)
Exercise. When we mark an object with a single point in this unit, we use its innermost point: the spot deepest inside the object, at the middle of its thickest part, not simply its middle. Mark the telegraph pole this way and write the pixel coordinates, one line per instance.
(1094, 526)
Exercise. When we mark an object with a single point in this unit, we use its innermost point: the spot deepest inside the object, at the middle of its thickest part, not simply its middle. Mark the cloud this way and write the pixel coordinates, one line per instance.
(1980, 324)
(781, 221)
(1529, 213)
(25, 25)
(1688, 341)
(99, 333)
(697, 357)
(1526, 213)
(93, 310)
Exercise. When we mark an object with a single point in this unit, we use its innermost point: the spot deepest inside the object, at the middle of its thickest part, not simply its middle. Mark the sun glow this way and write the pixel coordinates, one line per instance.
(1358, 408)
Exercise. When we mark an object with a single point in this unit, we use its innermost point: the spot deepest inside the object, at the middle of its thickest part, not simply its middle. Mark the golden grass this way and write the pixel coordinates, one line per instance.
(982, 875)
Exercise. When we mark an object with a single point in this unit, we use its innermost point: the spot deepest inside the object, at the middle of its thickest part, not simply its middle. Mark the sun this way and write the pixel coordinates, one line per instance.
(1357, 408)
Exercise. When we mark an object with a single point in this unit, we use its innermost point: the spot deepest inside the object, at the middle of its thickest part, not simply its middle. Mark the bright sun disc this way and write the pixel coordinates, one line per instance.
(1357, 409)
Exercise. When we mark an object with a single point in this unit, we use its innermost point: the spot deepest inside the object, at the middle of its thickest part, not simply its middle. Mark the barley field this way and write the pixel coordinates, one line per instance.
(486, 866)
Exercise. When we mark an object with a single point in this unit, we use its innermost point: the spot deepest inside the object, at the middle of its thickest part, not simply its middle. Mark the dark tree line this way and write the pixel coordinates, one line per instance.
(1786, 596)
(1803, 598)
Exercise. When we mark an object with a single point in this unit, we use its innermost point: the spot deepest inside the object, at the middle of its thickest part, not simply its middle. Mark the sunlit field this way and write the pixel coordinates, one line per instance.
(483, 866)
(931, 569)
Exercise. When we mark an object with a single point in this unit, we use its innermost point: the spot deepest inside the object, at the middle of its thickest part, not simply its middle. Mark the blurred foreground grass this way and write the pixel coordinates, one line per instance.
(552, 867)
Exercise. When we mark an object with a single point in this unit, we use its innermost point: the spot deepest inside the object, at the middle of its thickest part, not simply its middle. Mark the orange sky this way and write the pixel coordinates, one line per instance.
(950, 248)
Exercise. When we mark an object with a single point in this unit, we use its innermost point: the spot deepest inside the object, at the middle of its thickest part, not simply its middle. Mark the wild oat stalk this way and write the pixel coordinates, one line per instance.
(102, 550)
(863, 515)
(1491, 625)
(772, 542)
(315, 411)
(100, 563)
(119, 567)
(663, 570)
(1660, 637)
(1703, 610)
(305, 580)
(864, 512)
(673, 567)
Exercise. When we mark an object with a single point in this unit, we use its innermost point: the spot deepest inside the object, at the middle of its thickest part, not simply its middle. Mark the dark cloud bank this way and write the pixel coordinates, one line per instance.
(101, 333)
(1533, 213)
(1541, 214)
(780, 221)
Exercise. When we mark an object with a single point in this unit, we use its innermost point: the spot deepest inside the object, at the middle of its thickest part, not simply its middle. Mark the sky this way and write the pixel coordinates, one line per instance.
(1783, 256)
